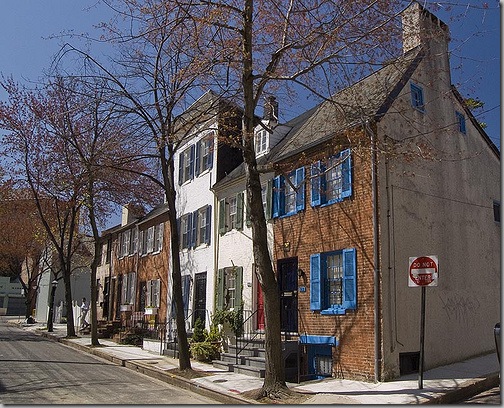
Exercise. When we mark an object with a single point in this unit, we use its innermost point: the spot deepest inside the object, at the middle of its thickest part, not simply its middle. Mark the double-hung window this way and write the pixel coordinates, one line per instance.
(201, 226)
(185, 230)
(186, 164)
(289, 193)
(231, 213)
(261, 142)
(195, 228)
(158, 238)
(333, 281)
(229, 288)
(153, 288)
(331, 181)
(204, 154)
(128, 288)
(417, 97)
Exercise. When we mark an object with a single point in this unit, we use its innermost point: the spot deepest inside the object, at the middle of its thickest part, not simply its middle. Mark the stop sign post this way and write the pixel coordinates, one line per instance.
(423, 271)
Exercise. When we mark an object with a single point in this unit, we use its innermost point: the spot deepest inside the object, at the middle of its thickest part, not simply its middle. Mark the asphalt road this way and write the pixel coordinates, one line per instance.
(36, 370)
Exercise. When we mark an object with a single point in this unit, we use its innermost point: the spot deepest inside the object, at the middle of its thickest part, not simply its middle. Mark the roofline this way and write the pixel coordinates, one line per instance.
(475, 122)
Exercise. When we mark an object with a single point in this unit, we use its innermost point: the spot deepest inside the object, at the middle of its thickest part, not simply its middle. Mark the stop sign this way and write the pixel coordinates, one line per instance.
(423, 271)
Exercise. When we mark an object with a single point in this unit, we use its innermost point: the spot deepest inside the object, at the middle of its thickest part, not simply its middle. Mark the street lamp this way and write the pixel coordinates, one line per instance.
(50, 318)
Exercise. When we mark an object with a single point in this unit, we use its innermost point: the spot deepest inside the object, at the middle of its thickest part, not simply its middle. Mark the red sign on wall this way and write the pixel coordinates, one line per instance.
(423, 271)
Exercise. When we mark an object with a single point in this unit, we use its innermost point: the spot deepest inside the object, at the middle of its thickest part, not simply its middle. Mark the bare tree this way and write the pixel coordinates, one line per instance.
(159, 72)
(262, 47)
(84, 120)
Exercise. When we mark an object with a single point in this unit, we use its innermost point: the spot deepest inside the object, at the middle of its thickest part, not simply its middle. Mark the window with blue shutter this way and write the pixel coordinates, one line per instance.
(333, 282)
(315, 284)
(288, 196)
(331, 182)
(417, 98)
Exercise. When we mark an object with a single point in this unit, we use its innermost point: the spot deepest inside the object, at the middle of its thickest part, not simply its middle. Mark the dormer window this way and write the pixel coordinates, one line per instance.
(261, 142)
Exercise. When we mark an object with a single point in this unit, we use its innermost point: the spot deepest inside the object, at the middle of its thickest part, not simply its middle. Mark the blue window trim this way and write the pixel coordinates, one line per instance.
(318, 287)
(461, 122)
(318, 180)
(315, 339)
(417, 97)
(278, 193)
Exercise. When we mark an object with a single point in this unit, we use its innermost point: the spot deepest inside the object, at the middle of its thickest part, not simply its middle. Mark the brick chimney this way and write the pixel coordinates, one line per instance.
(271, 109)
(422, 27)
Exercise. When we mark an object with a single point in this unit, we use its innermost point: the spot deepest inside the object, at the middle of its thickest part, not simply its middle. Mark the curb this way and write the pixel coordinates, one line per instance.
(467, 389)
(148, 370)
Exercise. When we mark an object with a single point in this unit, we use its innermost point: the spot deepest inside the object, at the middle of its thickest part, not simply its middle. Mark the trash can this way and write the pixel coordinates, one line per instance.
(497, 340)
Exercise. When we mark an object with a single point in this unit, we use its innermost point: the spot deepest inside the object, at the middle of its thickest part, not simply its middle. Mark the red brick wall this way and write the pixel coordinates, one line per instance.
(347, 224)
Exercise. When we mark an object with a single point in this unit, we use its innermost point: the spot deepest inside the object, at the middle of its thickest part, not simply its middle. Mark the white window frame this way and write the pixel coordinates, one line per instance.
(261, 141)
(153, 293)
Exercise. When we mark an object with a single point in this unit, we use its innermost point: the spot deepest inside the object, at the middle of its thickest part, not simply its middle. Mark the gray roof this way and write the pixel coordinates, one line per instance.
(367, 99)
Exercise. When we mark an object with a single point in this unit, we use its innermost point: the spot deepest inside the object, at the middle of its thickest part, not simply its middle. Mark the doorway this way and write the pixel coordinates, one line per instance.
(287, 275)
(200, 280)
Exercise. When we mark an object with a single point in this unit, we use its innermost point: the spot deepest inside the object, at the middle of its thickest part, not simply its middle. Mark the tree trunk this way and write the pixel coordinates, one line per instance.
(169, 183)
(68, 302)
(94, 293)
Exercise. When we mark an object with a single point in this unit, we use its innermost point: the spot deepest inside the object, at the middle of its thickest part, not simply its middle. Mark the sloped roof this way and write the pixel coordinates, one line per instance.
(367, 99)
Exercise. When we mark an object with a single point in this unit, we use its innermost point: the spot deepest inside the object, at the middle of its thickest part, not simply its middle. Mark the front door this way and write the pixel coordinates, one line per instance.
(106, 295)
(200, 280)
(287, 275)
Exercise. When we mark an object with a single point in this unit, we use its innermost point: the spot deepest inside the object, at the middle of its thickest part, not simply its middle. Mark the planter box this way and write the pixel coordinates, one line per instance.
(126, 308)
(151, 310)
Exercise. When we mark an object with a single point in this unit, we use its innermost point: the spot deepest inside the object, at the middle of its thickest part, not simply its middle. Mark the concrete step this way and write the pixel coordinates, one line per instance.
(259, 362)
(223, 365)
(249, 370)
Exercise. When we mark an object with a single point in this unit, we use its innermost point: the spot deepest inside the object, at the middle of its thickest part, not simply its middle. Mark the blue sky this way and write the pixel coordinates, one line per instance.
(475, 43)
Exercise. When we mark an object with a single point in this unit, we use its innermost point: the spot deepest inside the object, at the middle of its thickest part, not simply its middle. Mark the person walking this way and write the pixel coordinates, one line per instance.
(84, 312)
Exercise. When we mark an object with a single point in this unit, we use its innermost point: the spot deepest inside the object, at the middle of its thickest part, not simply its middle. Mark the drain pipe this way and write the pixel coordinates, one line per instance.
(376, 257)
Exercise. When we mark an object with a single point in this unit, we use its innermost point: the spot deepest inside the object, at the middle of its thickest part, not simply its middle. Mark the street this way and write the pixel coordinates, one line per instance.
(36, 370)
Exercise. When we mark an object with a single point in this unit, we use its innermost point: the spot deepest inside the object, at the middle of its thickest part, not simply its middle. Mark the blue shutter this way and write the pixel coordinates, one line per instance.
(181, 169)
(191, 162)
(346, 171)
(194, 230)
(208, 227)
(209, 162)
(276, 197)
(197, 166)
(315, 283)
(349, 279)
(300, 189)
(315, 184)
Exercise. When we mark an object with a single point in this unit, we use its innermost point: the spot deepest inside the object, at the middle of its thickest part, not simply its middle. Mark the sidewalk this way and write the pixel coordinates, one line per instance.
(441, 385)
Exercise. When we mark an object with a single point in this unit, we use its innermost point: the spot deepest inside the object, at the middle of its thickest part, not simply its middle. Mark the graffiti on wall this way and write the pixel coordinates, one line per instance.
(460, 308)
